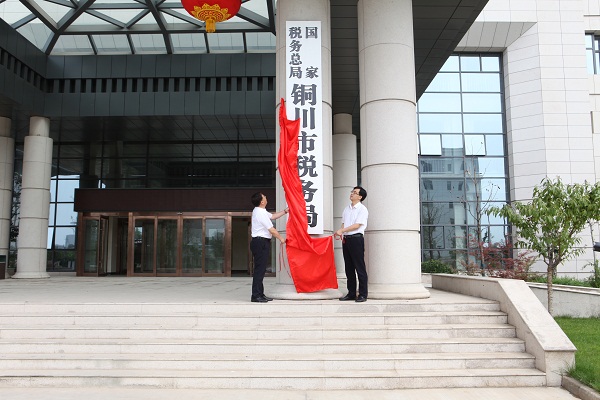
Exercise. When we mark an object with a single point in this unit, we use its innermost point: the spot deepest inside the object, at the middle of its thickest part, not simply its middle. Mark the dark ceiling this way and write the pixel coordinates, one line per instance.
(439, 25)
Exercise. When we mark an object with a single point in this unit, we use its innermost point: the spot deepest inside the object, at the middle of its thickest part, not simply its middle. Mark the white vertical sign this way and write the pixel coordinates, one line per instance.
(304, 97)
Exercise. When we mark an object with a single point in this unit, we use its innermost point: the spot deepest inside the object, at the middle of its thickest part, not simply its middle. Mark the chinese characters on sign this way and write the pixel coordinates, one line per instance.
(304, 96)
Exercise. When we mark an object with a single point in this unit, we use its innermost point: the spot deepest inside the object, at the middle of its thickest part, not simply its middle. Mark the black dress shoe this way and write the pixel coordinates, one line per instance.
(361, 299)
(267, 298)
(347, 297)
(258, 300)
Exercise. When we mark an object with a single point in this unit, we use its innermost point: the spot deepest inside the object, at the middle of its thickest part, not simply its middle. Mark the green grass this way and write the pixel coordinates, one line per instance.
(585, 335)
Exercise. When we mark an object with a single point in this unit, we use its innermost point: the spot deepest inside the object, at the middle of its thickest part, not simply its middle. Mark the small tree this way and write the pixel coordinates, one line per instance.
(550, 223)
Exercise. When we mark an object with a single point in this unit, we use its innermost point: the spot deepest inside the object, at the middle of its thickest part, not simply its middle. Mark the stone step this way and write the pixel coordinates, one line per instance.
(275, 379)
(279, 345)
(277, 306)
(257, 362)
(300, 319)
(257, 332)
(302, 346)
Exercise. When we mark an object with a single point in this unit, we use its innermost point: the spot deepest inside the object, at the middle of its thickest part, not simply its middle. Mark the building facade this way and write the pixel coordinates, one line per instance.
(145, 150)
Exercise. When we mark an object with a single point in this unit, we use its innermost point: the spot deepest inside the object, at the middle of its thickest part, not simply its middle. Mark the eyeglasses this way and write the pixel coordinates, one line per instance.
(356, 193)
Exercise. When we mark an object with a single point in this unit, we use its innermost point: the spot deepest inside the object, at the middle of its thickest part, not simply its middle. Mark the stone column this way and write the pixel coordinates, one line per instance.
(344, 179)
(35, 201)
(7, 154)
(305, 10)
(389, 152)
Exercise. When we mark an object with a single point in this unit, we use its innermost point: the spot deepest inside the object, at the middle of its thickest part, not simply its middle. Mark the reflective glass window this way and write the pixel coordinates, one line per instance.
(480, 82)
(490, 64)
(432, 237)
(440, 102)
(431, 145)
(469, 63)
(590, 60)
(494, 145)
(454, 234)
(452, 145)
(592, 53)
(446, 82)
(440, 123)
(475, 145)
(482, 102)
(52, 190)
(66, 188)
(451, 64)
(64, 238)
(497, 234)
(469, 176)
(483, 123)
(65, 215)
(486, 166)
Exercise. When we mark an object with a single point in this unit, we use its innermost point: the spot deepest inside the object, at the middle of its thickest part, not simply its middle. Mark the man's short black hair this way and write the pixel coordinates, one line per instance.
(361, 192)
(256, 199)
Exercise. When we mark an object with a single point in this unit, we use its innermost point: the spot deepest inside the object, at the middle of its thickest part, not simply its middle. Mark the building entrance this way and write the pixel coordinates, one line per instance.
(164, 244)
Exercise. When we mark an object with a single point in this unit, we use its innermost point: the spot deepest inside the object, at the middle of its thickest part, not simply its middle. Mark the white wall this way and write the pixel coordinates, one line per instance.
(547, 93)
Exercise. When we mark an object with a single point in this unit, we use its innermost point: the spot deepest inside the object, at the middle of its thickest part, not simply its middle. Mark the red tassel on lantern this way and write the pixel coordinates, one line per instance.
(212, 11)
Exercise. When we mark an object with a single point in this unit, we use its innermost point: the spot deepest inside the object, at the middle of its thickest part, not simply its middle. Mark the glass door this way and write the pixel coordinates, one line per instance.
(192, 246)
(93, 257)
(214, 240)
(122, 245)
(169, 245)
(167, 242)
(143, 246)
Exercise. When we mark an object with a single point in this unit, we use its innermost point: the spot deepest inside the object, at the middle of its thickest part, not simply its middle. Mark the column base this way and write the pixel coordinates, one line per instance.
(400, 291)
(30, 275)
(282, 291)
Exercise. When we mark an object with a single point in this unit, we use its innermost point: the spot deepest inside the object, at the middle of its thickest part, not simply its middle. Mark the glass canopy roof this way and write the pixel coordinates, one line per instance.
(79, 27)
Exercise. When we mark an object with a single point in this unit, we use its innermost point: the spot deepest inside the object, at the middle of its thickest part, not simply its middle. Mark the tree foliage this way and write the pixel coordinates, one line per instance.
(497, 259)
(549, 224)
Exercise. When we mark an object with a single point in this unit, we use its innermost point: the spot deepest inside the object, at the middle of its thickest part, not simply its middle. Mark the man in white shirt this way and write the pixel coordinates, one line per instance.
(262, 232)
(354, 223)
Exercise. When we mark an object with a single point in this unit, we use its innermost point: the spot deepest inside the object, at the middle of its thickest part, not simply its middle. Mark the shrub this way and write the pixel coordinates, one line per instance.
(594, 280)
(559, 280)
(497, 260)
(436, 267)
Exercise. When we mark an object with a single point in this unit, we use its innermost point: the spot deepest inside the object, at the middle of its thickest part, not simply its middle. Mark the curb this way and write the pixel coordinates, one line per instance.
(578, 389)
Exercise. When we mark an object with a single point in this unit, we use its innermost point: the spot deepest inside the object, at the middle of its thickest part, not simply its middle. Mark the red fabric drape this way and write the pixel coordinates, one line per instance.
(311, 260)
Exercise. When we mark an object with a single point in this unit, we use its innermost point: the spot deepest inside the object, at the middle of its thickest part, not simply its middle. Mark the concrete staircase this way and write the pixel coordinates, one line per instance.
(300, 345)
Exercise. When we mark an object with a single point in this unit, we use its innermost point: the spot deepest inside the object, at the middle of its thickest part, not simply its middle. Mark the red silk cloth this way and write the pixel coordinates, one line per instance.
(311, 260)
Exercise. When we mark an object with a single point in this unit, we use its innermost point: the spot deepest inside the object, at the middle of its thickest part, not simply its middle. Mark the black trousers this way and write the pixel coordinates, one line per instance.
(353, 249)
(261, 250)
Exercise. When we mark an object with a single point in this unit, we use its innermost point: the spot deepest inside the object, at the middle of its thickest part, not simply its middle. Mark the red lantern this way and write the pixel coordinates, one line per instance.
(212, 11)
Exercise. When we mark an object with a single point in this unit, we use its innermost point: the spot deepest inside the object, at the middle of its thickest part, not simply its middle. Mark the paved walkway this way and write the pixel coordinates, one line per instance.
(62, 290)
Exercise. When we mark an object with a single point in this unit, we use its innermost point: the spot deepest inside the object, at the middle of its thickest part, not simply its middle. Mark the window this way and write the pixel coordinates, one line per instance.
(592, 51)
(462, 158)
